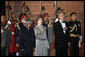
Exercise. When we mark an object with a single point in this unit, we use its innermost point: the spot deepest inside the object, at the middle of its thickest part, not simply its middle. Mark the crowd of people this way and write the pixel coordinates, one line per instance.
(27, 36)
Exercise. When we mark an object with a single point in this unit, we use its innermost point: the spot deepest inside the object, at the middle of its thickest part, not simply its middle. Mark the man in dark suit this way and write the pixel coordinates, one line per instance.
(27, 39)
(61, 31)
(18, 29)
(5, 37)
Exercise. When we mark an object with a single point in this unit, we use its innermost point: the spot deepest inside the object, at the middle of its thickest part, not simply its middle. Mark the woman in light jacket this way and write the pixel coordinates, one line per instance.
(42, 44)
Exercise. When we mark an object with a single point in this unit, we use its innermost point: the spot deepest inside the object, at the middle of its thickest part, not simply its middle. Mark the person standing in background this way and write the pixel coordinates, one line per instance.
(75, 34)
(11, 25)
(5, 39)
(50, 35)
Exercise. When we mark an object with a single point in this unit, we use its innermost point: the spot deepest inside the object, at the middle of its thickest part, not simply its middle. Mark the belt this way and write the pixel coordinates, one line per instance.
(40, 39)
(74, 35)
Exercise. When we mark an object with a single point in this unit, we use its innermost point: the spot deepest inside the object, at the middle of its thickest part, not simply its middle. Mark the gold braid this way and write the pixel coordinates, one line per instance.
(75, 26)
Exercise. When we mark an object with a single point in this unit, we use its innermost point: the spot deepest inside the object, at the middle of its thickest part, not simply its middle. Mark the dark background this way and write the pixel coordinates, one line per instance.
(3, 8)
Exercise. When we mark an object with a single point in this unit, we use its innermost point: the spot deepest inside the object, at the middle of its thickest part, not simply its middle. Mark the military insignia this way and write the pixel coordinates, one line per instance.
(73, 28)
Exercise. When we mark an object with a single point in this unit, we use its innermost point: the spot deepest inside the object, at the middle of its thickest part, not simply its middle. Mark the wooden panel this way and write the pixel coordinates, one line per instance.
(49, 5)
(11, 3)
(35, 8)
(17, 9)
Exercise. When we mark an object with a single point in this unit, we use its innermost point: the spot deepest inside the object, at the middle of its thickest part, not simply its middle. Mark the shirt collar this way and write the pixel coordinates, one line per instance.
(61, 21)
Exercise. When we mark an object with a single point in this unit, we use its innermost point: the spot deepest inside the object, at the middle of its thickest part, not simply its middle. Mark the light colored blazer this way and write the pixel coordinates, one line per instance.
(40, 34)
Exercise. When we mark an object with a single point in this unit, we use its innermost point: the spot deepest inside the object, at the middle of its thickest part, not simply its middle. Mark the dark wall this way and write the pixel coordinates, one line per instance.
(2, 7)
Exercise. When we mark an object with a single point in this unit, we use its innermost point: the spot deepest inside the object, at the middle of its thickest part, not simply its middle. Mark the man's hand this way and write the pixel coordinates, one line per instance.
(22, 50)
(2, 30)
(12, 32)
(9, 22)
(33, 49)
(17, 45)
(69, 44)
(80, 38)
(65, 29)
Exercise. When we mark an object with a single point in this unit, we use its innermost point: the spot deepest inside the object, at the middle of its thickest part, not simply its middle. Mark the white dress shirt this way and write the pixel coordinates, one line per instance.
(63, 25)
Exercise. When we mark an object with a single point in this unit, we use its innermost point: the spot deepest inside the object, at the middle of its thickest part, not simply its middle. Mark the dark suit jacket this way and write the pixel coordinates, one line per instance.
(27, 39)
(60, 37)
(6, 38)
(18, 33)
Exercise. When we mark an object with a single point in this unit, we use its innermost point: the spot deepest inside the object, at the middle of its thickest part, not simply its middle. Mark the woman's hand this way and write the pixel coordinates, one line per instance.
(48, 47)
(42, 29)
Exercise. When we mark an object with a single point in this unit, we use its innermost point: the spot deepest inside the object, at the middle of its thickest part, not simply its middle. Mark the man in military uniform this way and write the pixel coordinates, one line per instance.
(28, 13)
(75, 32)
(11, 26)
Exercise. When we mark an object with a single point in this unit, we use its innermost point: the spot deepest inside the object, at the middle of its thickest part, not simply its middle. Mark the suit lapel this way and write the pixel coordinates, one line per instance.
(60, 25)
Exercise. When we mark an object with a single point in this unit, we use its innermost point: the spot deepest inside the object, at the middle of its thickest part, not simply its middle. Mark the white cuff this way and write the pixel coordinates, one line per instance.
(9, 22)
